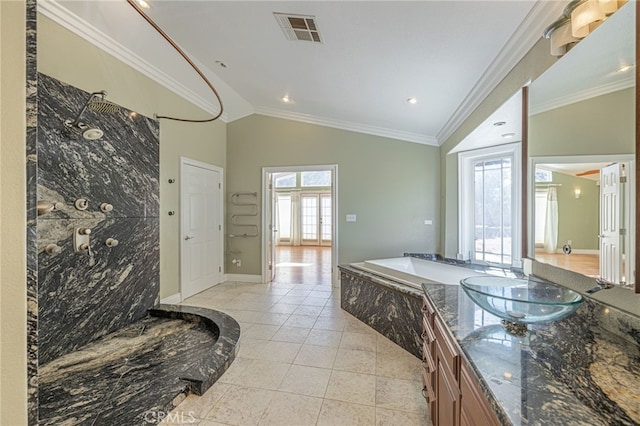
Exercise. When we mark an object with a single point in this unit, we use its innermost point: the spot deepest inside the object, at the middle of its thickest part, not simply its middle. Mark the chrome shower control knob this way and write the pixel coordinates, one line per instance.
(84, 231)
(111, 242)
(58, 206)
(106, 207)
(81, 204)
(53, 249)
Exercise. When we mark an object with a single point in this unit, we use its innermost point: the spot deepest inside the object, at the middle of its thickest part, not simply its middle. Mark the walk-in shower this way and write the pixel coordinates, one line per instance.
(97, 102)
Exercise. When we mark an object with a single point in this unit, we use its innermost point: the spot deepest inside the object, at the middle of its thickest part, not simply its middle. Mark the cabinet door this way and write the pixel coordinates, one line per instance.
(474, 408)
(447, 397)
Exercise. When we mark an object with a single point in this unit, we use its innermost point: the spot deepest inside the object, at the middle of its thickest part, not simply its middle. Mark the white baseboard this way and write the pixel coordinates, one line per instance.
(243, 278)
(573, 251)
(172, 300)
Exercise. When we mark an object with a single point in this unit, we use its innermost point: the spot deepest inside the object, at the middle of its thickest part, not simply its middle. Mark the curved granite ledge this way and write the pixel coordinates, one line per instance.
(138, 373)
(583, 369)
(207, 370)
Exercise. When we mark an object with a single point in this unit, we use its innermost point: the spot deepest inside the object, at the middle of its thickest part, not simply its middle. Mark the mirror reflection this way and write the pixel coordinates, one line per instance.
(581, 135)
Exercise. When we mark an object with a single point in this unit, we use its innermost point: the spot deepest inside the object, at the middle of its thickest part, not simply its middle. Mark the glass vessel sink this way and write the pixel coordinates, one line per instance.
(520, 302)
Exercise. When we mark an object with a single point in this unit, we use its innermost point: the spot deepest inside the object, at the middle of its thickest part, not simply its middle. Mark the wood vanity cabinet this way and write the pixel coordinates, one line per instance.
(450, 387)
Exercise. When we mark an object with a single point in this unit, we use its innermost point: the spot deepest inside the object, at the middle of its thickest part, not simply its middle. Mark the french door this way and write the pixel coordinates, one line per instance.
(315, 219)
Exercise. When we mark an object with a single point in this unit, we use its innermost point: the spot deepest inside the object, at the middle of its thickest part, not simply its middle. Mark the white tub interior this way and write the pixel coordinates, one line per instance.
(414, 271)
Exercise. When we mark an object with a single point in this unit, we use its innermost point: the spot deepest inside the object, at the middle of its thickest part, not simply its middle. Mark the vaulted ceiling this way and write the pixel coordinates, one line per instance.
(374, 56)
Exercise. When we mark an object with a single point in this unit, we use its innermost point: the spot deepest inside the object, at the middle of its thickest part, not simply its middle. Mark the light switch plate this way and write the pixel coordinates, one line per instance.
(351, 218)
(428, 222)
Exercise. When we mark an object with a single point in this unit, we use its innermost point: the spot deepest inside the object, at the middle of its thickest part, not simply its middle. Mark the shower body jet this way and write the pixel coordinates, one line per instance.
(97, 102)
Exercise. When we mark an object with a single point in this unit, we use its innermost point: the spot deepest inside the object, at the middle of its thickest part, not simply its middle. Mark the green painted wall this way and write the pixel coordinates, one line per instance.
(600, 125)
(391, 186)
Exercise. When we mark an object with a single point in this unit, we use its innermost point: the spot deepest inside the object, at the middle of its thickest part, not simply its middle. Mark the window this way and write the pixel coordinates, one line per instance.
(286, 180)
(489, 205)
(316, 178)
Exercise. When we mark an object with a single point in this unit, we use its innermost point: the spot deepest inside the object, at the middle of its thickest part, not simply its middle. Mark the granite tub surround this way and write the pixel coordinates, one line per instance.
(134, 375)
(392, 309)
(583, 369)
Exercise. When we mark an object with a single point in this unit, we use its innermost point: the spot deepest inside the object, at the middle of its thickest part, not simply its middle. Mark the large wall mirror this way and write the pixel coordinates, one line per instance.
(581, 147)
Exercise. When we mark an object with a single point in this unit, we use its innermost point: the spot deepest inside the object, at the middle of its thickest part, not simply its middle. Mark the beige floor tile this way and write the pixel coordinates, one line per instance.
(263, 374)
(299, 292)
(400, 365)
(291, 334)
(330, 323)
(340, 413)
(283, 308)
(205, 422)
(260, 331)
(358, 341)
(234, 371)
(292, 300)
(241, 406)
(316, 356)
(303, 380)
(328, 338)
(383, 344)
(243, 315)
(288, 409)
(314, 301)
(399, 394)
(321, 293)
(308, 310)
(355, 361)
(356, 326)
(198, 407)
(251, 348)
(352, 387)
(271, 318)
(280, 351)
(304, 321)
(386, 417)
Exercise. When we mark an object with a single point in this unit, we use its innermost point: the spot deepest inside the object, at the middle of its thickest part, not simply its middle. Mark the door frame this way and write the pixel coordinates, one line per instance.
(184, 161)
(266, 173)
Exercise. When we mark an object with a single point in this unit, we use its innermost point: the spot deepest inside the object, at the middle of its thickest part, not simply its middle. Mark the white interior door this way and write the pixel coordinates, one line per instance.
(273, 229)
(201, 227)
(310, 219)
(610, 223)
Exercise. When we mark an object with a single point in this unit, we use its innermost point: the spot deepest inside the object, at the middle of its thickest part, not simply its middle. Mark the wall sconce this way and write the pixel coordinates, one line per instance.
(577, 192)
(579, 18)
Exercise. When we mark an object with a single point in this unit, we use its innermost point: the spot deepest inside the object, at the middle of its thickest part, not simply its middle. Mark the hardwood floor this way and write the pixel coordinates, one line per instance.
(586, 264)
(303, 264)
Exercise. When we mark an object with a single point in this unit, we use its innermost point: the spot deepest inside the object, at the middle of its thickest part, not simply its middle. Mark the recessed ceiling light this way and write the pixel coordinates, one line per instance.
(286, 99)
(499, 123)
(508, 135)
(412, 101)
(143, 4)
(625, 68)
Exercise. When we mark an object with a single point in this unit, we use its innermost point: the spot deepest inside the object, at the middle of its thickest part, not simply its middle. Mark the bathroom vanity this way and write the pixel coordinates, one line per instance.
(583, 369)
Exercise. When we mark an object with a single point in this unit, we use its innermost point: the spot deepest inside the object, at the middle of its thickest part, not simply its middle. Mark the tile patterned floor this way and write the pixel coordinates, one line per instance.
(304, 361)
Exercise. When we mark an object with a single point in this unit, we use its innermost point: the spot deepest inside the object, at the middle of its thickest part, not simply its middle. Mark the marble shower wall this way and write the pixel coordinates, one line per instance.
(84, 296)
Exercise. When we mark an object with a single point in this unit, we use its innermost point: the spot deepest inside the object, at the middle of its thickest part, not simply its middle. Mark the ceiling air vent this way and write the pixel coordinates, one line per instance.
(299, 27)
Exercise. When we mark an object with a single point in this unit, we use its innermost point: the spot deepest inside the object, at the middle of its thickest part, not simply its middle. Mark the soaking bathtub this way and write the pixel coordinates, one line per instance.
(413, 271)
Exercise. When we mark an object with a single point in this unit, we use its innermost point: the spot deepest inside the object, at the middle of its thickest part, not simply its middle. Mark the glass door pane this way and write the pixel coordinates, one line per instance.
(325, 219)
(309, 209)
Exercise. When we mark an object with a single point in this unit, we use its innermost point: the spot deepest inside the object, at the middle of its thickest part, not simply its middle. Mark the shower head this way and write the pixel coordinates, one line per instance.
(97, 102)
(101, 104)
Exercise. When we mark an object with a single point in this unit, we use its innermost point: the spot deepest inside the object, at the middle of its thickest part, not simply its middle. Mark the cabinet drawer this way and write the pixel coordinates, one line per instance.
(427, 332)
(427, 390)
(448, 351)
(428, 310)
(428, 360)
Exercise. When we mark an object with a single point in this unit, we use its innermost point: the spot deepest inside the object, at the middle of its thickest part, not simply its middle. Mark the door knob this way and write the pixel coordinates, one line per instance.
(187, 238)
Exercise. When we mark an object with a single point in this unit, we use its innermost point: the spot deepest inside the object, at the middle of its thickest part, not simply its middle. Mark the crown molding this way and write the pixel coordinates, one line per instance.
(54, 11)
(346, 125)
(583, 95)
(523, 39)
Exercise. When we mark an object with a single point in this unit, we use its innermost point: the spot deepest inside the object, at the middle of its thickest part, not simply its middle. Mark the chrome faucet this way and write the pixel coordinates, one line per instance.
(601, 284)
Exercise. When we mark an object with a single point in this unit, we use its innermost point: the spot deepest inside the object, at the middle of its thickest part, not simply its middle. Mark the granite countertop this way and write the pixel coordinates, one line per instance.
(584, 369)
